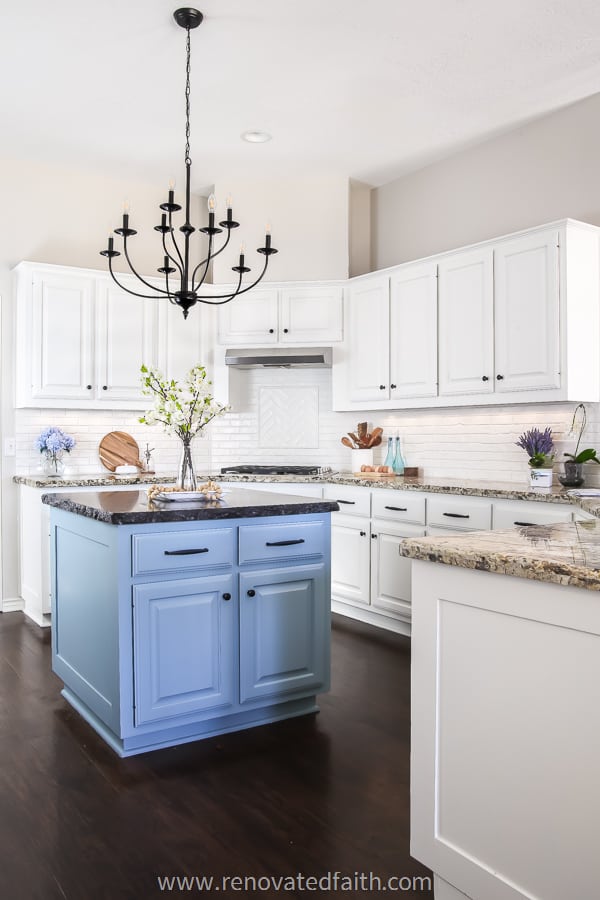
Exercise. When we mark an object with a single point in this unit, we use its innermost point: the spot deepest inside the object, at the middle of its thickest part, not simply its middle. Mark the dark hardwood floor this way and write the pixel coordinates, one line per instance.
(311, 795)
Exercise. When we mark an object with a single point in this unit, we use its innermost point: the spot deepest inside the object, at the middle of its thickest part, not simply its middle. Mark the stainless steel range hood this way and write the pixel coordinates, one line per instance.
(279, 357)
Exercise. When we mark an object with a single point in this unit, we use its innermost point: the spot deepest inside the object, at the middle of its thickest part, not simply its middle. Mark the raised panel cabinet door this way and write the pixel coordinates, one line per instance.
(466, 324)
(311, 314)
(126, 337)
(251, 319)
(390, 572)
(350, 559)
(413, 332)
(527, 312)
(284, 632)
(369, 325)
(183, 646)
(62, 337)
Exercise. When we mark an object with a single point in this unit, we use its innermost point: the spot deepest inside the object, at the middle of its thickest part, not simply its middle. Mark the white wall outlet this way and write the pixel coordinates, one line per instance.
(10, 446)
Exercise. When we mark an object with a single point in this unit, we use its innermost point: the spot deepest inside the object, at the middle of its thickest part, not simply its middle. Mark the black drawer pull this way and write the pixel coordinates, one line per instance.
(284, 543)
(397, 508)
(524, 523)
(456, 515)
(347, 502)
(186, 552)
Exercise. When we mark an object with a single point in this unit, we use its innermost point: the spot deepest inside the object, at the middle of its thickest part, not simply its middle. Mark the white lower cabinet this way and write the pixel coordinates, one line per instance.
(350, 559)
(390, 574)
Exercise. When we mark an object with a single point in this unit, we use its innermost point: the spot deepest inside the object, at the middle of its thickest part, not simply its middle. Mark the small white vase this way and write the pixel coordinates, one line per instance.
(361, 458)
(540, 478)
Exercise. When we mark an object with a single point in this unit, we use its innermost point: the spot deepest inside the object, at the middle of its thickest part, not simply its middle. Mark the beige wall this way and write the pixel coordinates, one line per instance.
(309, 223)
(549, 169)
(360, 228)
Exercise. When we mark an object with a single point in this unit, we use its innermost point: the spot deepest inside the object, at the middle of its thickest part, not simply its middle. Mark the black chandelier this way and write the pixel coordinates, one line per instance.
(188, 279)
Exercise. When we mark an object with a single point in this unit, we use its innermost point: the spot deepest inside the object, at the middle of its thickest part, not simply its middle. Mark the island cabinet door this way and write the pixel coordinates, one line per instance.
(284, 632)
(183, 647)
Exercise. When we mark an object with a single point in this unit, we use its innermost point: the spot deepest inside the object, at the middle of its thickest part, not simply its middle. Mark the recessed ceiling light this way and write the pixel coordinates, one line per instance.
(256, 137)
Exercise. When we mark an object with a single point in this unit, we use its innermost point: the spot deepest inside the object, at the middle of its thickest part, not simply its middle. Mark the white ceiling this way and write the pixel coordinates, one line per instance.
(369, 91)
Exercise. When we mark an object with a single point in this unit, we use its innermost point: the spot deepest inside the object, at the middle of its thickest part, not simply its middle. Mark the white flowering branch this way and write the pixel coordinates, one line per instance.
(182, 408)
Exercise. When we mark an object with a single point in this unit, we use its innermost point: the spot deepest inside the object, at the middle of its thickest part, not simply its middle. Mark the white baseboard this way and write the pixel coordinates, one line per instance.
(12, 604)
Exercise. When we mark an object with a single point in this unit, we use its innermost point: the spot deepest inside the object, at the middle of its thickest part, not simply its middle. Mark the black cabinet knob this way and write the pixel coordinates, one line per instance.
(484, 378)
(104, 387)
(499, 377)
(89, 387)
(382, 387)
(226, 596)
(393, 386)
(285, 330)
(374, 536)
(271, 331)
(251, 593)
(362, 533)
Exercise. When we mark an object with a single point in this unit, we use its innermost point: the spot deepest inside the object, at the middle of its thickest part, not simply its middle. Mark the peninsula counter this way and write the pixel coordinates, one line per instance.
(505, 734)
(178, 621)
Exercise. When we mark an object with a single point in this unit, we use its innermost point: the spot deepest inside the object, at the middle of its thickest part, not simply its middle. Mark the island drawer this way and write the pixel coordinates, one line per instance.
(474, 513)
(167, 551)
(260, 542)
(402, 506)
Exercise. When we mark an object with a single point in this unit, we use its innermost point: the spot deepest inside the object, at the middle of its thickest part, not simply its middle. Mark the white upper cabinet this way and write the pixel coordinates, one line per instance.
(126, 334)
(526, 312)
(413, 331)
(291, 314)
(81, 340)
(466, 335)
(518, 320)
(311, 315)
(55, 355)
(369, 325)
(252, 318)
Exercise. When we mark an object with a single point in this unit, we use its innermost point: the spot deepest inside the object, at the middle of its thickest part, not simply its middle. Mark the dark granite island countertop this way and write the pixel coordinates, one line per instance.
(134, 508)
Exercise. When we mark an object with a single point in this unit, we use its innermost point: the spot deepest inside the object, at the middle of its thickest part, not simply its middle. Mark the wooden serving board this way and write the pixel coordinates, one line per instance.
(117, 448)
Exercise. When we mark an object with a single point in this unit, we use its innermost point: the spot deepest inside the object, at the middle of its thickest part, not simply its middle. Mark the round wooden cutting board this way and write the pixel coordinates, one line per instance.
(117, 448)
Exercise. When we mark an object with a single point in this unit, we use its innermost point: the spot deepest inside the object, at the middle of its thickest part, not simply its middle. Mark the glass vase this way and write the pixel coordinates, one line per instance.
(53, 465)
(573, 476)
(389, 459)
(186, 477)
(398, 458)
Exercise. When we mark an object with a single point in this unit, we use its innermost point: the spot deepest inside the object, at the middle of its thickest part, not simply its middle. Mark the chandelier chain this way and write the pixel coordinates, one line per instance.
(188, 160)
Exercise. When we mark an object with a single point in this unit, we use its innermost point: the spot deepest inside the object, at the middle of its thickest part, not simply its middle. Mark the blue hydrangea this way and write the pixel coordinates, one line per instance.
(53, 440)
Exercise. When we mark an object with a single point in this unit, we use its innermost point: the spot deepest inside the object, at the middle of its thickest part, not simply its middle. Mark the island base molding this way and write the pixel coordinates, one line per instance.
(505, 735)
(158, 740)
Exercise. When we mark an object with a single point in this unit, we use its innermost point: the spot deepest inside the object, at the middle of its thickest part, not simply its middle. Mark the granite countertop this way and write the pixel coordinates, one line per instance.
(101, 479)
(500, 490)
(567, 554)
(133, 507)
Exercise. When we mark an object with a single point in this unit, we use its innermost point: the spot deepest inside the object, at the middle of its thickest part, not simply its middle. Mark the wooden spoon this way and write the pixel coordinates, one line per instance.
(376, 442)
(354, 438)
(347, 443)
(376, 433)
(362, 430)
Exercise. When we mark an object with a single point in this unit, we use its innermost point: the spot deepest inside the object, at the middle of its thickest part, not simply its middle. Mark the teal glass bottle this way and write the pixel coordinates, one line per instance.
(398, 464)
(389, 460)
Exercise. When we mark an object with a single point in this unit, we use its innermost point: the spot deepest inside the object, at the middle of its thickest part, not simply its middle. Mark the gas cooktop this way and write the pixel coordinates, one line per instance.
(275, 470)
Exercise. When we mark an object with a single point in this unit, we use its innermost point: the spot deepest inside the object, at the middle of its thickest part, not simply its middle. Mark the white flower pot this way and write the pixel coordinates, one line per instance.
(361, 458)
(540, 478)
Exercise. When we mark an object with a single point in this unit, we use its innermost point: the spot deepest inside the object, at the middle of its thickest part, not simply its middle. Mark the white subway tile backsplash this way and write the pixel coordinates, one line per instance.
(285, 416)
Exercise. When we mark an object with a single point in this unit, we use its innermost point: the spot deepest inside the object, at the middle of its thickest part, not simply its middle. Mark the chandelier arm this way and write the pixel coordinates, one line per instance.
(238, 291)
(127, 291)
(172, 258)
(172, 233)
(220, 298)
(137, 275)
(207, 261)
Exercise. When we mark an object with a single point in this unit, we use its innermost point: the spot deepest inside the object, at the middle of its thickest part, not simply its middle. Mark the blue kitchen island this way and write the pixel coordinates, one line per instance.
(176, 621)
